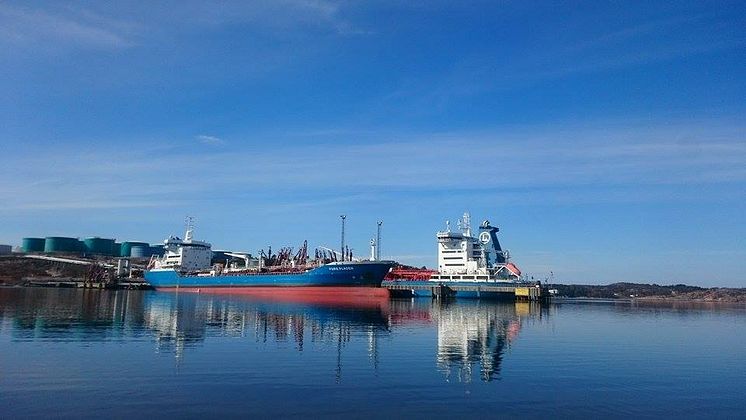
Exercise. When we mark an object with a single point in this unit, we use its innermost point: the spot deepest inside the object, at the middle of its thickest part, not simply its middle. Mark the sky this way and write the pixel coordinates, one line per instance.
(607, 140)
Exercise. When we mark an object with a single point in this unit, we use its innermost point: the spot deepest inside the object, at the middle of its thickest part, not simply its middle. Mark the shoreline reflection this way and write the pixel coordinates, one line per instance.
(469, 337)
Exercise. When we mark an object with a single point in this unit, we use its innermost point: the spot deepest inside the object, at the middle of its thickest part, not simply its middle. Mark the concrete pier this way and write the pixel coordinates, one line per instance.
(81, 283)
(531, 292)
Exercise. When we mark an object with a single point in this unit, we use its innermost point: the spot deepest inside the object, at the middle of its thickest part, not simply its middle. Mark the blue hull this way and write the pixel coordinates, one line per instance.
(362, 274)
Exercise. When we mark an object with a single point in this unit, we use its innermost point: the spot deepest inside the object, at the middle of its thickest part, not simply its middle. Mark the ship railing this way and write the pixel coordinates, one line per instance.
(264, 273)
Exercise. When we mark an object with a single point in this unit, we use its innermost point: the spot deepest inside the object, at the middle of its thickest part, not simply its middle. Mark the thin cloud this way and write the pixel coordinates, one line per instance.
(655, 41)
(57, 27)
(92, 205)
(287, 16)
(23, 25)
(210, 140)
(561, 162)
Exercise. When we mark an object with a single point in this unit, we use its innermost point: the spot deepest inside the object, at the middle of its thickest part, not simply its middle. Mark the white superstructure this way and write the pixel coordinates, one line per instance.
(464, 257)
(185, 255)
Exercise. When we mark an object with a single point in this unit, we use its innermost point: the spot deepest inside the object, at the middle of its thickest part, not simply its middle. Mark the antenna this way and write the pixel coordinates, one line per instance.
(343, 235)
(466, 224)
(378, 241)
(189, 221)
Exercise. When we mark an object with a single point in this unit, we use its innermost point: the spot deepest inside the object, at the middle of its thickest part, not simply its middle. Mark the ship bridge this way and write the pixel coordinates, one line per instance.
(461, 253)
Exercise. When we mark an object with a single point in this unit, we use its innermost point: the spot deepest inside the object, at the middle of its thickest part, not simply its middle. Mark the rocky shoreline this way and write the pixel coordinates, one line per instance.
(651, 292)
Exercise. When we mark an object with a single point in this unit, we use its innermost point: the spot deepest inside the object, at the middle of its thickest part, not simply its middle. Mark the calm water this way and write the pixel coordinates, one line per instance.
(74, 353)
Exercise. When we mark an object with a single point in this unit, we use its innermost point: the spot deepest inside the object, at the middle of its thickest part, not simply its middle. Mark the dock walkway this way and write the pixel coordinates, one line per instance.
(446, 289)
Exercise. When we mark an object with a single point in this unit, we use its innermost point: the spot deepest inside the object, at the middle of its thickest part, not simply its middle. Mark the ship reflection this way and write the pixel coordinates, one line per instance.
(473, 335)
(181, 321)
(469, 338)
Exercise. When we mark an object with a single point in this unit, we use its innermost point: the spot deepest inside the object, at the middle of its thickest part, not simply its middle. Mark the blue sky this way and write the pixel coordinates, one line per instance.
(606, 139)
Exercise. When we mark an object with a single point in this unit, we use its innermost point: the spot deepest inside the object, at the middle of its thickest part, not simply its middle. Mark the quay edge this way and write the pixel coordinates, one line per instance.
(531, 292)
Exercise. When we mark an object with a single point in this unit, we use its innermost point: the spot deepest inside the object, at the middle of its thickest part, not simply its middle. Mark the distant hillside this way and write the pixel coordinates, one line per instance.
(650, 291)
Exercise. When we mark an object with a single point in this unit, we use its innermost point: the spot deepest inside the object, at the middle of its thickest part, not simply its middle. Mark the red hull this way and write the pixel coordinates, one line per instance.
(346, 296)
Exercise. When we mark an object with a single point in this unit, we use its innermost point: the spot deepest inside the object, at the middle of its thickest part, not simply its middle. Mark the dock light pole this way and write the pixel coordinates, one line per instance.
(378, 241)
(343, 235)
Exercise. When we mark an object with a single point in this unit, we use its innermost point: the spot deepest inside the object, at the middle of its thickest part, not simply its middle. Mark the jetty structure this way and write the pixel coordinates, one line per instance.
(469, 266)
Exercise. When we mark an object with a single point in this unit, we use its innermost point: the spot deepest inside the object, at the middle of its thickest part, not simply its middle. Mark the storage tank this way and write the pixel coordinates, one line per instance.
(32, 244)
(6, 249)
(99, 246)
(126, 250)
(116, 249)
(140, 251)
(62, 244)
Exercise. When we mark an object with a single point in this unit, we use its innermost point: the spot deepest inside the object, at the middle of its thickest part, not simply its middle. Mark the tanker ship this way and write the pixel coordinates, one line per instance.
(471, 266)
(191, 266)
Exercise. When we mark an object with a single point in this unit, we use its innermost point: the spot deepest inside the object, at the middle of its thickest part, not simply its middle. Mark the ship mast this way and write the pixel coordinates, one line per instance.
(378, 241)
(343, 236)
(189, 229)
(466, 224)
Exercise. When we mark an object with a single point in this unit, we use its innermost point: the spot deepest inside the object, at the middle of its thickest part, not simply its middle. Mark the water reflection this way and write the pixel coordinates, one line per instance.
(469, 339)
(472, 335)
(71, 315)
(180, 321)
